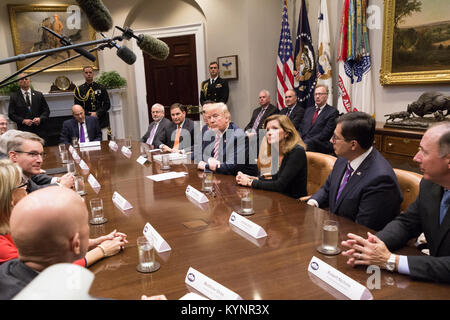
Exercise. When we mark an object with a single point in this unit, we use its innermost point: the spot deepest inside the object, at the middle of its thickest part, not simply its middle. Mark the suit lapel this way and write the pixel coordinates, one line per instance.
(440, 230)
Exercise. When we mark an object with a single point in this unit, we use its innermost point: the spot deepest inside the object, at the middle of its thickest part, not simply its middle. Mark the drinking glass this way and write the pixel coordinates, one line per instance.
(128, 142)
(97, 211)
(207, 185)
(165, 161)
(146, 251)
(64, 156)
(75, 142)
(71, 167)
(79, 185)
(62, 147)
(247, 203)
(330, 238)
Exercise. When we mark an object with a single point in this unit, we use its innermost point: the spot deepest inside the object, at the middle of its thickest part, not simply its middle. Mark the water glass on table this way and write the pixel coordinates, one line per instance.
(330, 238)
(97, 211)
(247, 203)
(146, 252)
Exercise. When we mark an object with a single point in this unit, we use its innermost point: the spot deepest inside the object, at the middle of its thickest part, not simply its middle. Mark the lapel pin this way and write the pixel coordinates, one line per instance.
(358, 173)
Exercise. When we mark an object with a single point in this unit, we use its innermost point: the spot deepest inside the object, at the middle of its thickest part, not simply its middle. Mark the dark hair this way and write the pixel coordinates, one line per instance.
(359, 126)
(179, 106)
(214, 62)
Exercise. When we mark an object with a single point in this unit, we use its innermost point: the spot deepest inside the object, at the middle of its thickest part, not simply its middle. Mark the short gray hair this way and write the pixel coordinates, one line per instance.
(160, 106)
(444, 137)
(266, 92)
(7, 136)
(16, 142)
(3, 116)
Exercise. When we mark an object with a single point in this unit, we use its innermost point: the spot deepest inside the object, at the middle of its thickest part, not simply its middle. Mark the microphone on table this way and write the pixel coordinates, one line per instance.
(123, 52)
(66, 42)
(97, 14)
(155, 48)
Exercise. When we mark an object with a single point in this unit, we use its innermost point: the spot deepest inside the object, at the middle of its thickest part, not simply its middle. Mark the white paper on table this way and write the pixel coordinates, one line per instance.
(172, 156)
(196, 195)
(209, 287)
(94, 183)
(121, 202)
(167, 176)
(247, 225)
(339, 281)
(159, 243)
(153, 150)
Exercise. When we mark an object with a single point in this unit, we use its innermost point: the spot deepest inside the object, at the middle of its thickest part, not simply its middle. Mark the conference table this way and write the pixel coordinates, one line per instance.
(201, 237)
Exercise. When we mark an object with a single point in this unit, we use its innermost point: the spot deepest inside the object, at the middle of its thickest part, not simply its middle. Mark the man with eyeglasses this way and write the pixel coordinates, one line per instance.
(26, 149)
(362, 185)
(293, 109)
(28, 108)
(319, 123)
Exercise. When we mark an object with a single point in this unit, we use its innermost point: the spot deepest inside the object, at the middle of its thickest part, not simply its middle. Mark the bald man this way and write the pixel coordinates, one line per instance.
(46, 231)
(84, 128)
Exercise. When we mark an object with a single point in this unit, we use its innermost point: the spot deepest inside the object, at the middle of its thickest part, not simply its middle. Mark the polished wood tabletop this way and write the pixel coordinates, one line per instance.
(274, 267)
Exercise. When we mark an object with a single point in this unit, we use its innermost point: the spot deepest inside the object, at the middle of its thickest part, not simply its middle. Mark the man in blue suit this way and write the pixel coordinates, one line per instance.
(84, 128)
(319, 123)
(362, 185)
(224, 145)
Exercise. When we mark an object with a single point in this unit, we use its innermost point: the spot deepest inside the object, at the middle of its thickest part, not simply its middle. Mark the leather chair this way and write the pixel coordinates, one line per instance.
(319, 168)
(409, 184)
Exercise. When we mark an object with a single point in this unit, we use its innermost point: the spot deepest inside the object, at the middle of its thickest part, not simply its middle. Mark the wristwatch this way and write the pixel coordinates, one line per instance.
(390, 264)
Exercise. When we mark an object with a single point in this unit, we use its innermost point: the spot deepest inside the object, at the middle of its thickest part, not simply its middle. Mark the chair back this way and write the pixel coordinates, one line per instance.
(409, 184)
(319, 168)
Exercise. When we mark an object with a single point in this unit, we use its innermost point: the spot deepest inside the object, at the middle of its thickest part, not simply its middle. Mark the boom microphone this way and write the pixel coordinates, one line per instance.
(123, 52)
(155, 48)
(97, 14)
(66, 42)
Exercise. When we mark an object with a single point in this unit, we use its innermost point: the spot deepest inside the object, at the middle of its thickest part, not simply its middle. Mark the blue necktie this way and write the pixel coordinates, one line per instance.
(445, 202)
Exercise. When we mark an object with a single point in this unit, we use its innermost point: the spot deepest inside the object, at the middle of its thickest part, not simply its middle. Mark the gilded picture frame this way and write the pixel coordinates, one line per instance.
(28, 36)
(416, 50)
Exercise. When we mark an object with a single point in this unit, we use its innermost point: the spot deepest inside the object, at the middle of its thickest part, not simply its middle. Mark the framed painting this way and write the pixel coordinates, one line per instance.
(416, 42)
(28, 36)
(228, 67)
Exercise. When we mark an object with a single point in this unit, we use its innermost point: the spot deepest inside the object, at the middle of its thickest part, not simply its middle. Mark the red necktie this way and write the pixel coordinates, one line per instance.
(316, 113)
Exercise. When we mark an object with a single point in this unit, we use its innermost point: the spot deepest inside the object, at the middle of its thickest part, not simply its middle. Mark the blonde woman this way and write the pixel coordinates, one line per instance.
(12, 190)
(286, 148)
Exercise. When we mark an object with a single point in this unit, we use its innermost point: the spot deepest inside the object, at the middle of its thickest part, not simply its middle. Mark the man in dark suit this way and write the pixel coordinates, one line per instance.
(94, 98)
(428, 214)
(260, 114)
(85, 129)
(224, 145)
(362, 185)
(293, 109)
(180, 133)
(156, 133)
(26, 149)
(215, 88)
(28, 108)
(319, 123)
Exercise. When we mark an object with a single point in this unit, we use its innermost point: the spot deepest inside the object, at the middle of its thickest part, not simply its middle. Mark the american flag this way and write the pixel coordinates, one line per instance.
(285, 61)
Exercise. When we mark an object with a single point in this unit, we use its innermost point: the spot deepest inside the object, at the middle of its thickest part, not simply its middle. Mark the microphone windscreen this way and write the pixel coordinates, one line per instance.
(85, 53)
(126, 55)
(97, 14)
(157, 49)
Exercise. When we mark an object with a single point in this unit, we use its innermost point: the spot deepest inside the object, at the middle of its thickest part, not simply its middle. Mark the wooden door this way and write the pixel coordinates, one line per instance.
(174, 79)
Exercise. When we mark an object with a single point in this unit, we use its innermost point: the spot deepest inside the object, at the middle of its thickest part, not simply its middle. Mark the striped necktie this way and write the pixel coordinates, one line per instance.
(216, 147)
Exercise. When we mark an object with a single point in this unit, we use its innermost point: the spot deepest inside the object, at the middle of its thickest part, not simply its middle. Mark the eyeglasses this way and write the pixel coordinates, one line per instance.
(33, 154)
(335, 138)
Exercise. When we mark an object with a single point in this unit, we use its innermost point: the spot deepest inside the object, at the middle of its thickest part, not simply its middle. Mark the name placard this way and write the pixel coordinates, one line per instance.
(126, 152)
(196, 195)
(83, 165)
(89, 144)
(113, 145)
(172, 156)
(247, 226)
(94, 183)
(209, 287)
(192, 296)
(75, 156)
(141, 160)
(158, 242)
(71, 149)
(339, 281)
(121, 202)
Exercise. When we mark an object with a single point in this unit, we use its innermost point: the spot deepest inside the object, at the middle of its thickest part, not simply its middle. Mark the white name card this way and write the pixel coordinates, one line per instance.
(339, 281)
(209, 287)
(75, 156)
(89, 144)
(113, 145)
(192, 296)
(172, 156)
(121, 202)
(83, 165)
(247, 226)
(71, 149)
(196, 195)
(94, 183)
(141, 160)
(158, 242)
(126, 152)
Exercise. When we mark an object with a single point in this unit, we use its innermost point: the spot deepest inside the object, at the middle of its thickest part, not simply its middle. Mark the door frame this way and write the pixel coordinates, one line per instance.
(196, 29)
